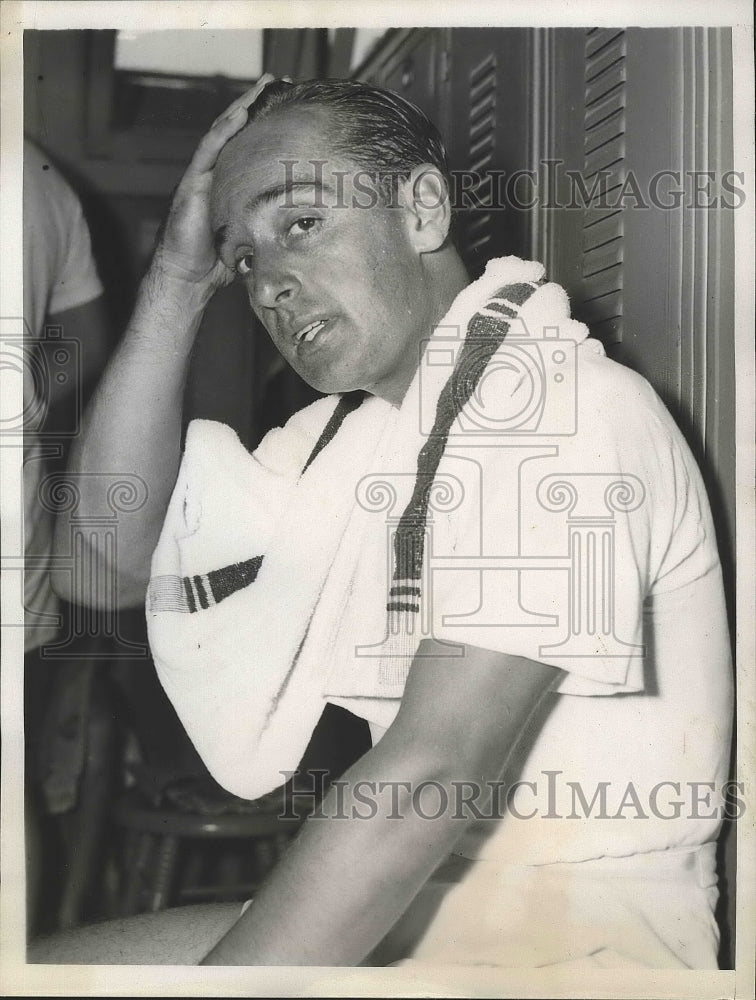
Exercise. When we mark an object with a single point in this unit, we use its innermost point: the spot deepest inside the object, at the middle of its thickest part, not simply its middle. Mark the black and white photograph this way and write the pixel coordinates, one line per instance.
(377, 499)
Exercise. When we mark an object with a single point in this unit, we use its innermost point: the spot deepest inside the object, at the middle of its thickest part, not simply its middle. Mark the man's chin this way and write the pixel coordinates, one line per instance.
(328, 382)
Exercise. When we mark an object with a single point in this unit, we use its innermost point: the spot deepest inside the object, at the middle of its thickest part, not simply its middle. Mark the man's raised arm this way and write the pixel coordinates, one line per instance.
(132, 426)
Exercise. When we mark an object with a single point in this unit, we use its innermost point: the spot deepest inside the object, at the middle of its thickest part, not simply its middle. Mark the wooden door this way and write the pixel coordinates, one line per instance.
(638, 222)
(626, 135)
(648, 256)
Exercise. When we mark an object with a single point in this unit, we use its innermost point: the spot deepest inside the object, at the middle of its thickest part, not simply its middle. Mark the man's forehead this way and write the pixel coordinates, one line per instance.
(289, 151)
(295, 134)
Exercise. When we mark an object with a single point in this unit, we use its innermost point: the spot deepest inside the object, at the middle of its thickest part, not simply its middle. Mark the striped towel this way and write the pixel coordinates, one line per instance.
(258, 551)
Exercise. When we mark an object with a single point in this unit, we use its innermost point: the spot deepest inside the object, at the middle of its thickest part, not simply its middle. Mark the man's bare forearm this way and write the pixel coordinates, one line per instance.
(132, 428)
(346, 879)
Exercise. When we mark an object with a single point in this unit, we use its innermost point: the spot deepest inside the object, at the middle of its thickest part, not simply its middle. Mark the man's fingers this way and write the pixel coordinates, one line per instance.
(224, 127)
(247, 98)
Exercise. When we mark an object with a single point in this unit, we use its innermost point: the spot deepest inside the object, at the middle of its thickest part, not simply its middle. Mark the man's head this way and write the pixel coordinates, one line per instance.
(377, 129)
(332, 204)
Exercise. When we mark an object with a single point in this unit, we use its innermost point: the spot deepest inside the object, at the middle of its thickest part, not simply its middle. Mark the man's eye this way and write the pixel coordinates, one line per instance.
(306, 224)
(244, 264)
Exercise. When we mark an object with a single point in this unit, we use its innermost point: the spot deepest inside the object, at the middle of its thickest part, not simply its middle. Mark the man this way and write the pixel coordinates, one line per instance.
(538, 610)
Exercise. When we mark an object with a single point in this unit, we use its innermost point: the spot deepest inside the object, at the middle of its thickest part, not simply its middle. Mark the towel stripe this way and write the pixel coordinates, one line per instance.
(194, 593)
(500, 307)
(189, 594)
(226, 581)
(399, 606)
(348, 402)
(485, 334)
(201, 592)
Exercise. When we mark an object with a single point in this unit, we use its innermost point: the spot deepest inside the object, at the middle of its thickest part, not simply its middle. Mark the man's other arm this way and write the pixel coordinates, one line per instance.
(345, 881)
(132, 425)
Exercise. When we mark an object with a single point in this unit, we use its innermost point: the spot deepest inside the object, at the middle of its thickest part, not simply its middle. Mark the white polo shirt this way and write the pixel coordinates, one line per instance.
(586, 543)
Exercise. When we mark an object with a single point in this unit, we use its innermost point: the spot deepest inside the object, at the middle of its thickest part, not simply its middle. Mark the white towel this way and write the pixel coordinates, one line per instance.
(255, 562)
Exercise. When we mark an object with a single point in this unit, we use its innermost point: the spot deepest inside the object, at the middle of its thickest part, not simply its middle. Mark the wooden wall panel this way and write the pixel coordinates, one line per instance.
(653, 281)
(652, 273)
(407, 62)
(604, 163)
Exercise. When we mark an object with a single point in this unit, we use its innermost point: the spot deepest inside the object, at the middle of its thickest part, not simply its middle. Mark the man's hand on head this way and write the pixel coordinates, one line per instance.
(186, 251)
(134, 420)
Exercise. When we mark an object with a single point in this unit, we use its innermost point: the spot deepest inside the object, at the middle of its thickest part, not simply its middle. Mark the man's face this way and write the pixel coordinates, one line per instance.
(339, 287)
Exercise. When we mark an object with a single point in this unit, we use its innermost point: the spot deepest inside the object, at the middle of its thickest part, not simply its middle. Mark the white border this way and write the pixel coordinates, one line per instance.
(19, 979)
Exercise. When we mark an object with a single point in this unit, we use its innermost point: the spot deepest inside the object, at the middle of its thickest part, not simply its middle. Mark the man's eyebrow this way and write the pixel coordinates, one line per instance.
(265, 197)
(279, 190)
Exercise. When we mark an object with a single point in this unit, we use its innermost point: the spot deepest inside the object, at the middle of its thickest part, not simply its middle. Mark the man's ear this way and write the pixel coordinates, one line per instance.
(425, 197)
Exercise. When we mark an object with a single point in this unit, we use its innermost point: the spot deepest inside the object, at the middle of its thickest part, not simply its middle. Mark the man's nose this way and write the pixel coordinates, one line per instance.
(275, 284)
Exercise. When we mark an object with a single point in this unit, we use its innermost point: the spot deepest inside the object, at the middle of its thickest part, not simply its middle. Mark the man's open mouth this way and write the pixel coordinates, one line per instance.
(310, 331)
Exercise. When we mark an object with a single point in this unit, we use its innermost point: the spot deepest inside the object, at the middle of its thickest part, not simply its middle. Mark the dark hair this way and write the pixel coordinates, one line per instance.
(375, 128)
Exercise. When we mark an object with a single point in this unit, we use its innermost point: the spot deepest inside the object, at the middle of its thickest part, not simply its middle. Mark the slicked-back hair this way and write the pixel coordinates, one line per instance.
(378, 130)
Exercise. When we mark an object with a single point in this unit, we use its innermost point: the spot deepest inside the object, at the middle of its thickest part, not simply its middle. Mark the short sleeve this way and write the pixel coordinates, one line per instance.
(552, 550)
(691, 552)
(59, 269)
(77, 282)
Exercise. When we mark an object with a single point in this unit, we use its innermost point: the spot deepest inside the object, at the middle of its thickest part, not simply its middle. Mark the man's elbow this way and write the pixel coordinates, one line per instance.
(415, 776)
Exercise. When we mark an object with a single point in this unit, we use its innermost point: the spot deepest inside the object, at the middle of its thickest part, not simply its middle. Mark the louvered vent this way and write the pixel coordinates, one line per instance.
(478, 226)
(604, 174)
